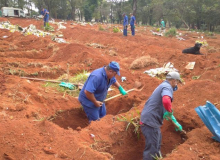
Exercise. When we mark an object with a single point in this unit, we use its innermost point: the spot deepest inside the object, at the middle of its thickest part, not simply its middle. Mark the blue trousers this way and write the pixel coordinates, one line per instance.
(125, 31)
(152, 142)
(95, 113)
(46, 20)
(132, 30)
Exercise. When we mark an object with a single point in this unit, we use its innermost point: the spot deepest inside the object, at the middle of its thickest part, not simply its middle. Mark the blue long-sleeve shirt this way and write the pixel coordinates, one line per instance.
(132, 20)
(125, 22)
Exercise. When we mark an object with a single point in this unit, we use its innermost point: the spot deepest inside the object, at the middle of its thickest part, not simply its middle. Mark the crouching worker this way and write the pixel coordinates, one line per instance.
(157, 107)
(95, 90)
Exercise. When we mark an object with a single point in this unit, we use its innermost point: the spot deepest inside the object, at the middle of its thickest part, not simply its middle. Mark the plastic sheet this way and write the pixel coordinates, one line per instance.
(210, 115)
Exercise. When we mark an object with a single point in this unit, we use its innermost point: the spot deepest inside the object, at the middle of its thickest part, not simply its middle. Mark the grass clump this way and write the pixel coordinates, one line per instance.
(101, 28)
(133, 122)
(49, 28)
(171, 32)
(156, 157)
(116, 29)
(78, 78)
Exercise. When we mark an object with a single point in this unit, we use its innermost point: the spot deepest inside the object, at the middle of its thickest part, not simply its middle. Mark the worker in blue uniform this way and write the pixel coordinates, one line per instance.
(95, 90)
(132, 24)
(125, 24)
(45, 14)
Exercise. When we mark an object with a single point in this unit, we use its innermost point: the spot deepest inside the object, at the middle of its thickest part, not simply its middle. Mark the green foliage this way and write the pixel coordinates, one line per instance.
(203, 42)
(178, 13)
(48, 28)
(80, 77)
(132, 122)
(116, 29)
(87, 13)
(101, 28)
(209, 33)
(196, 77)
(156, 157)
(171, 32)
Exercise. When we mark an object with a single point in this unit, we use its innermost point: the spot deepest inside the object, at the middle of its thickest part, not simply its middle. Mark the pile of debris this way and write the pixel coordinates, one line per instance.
(31, 30)
(161, 72)
(156, 33)
(96, 45)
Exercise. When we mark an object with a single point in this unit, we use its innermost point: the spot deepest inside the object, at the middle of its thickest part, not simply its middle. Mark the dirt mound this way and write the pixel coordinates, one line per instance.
(142, 62)
(80, 56)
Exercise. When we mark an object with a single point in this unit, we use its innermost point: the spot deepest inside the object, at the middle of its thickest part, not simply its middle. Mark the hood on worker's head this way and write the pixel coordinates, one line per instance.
(123, 14)
(115, 67)
(173, 75)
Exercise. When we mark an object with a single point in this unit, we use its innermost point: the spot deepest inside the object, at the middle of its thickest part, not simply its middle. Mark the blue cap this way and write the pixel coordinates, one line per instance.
(115, 67)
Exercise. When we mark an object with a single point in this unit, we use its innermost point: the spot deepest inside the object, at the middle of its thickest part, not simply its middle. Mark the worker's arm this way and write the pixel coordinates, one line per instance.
(121, 89)
(116, 84)
(92, 98)
(167, 103)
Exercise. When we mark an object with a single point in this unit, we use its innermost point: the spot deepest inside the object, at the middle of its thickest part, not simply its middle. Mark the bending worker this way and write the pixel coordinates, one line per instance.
(95, 90)
(45, 14)
(157, 107)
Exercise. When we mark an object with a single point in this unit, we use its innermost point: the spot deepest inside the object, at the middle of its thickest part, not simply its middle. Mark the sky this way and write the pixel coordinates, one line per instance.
(33, 8)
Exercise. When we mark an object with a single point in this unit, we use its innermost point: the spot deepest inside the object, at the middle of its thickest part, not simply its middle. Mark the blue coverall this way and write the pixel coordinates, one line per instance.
(132, 21)
(125, 24)
(97, 83)
(45, 13)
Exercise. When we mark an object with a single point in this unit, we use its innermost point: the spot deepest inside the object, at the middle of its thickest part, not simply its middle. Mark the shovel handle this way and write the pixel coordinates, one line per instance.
(118, 95)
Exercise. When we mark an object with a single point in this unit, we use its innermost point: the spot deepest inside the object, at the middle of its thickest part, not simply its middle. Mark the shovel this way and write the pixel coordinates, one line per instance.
(53, 81)
(138, 87)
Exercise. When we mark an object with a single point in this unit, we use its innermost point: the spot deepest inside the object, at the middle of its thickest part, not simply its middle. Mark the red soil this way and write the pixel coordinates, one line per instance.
(39, 123)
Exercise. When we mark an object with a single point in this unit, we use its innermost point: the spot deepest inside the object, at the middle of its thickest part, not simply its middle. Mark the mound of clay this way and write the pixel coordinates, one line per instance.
(143, 62)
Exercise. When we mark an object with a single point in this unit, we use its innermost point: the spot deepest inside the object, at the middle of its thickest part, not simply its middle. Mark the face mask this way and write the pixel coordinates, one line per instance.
(175, 88)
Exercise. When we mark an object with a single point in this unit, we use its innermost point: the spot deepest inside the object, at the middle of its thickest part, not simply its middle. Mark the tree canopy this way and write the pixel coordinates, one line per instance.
(201, 14)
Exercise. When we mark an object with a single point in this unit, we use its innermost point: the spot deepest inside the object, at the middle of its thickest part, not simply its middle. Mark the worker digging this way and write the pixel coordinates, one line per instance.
(157, 108)
(95, 90)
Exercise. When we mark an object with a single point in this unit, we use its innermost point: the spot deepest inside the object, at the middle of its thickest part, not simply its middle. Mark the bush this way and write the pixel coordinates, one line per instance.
(116, 29)
(171, 32)
(217, 29)
(101, 28)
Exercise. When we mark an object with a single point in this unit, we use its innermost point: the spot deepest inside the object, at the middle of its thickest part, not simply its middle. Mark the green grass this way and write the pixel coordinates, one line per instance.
(49, 27)
(78, 78)
(116, 29)
(132, 122)
(101, 28)
(156, 157)
(171, 32)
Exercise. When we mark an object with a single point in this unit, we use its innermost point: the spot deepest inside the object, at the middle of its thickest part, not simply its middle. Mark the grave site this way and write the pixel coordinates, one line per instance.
(41, 120)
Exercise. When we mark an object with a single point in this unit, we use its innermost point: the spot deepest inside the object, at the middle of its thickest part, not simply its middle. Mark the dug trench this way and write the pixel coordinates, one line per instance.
(126, 144)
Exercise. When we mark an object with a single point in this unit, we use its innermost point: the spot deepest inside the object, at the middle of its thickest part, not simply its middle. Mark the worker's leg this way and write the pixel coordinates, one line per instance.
(92, 113)
(125, 31)
(102, 111)
(152, 142)
(47, 20)
(132, 30)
